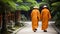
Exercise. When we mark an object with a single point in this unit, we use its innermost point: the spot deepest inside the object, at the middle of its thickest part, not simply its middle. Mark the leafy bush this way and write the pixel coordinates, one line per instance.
(23, 18)
(56, 12)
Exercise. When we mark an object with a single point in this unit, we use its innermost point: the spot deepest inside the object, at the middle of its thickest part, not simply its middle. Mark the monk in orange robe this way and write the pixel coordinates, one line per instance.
(35, 17)
(45, 16)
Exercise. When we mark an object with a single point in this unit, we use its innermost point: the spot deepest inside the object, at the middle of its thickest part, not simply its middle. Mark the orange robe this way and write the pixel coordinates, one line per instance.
(45, 16)
(35, 17)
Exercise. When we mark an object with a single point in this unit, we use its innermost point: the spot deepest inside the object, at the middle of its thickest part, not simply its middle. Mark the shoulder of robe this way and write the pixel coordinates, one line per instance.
(33, 10)
(38, 11)
(45, 10)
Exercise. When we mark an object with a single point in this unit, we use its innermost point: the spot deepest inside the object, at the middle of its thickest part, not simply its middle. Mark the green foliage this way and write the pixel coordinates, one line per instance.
(56, 12)
(55, 7)
(19, 1)
(42, 3)
(10, 3)
(56, 4)
(31, 1)
(23, 18)
(45, 1)
(57, 23)
(58, 15)
(26, 4)
(22, 7)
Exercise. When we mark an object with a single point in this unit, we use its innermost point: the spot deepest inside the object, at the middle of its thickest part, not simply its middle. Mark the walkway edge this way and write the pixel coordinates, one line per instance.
(14, 32)
(57, 30)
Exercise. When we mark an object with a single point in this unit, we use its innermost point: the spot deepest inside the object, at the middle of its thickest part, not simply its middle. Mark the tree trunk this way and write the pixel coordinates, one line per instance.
(3, 23)
(3, 30)
(0, 20)
(13, 16)
(17, 17)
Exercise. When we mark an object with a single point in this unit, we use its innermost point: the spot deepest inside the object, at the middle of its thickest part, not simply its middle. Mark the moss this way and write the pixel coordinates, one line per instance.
(16, 27)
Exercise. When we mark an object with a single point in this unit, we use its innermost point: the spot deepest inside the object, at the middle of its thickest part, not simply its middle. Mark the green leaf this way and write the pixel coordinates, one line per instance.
(19, 1)
(12, 4)
(55, 4)
(22, 7)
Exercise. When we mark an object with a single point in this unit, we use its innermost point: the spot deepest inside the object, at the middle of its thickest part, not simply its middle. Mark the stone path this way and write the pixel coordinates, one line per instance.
(28, 29)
